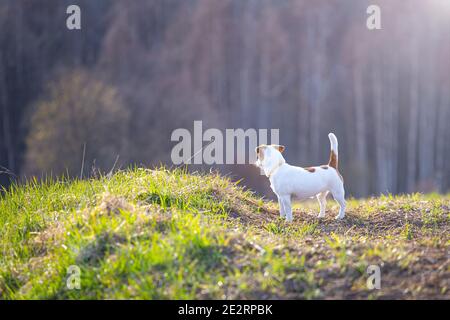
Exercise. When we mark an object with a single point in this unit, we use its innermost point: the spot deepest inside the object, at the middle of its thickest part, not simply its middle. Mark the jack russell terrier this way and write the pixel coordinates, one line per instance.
(287, 180)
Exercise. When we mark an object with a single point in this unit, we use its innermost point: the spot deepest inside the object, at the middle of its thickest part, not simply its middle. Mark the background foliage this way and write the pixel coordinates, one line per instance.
(138, 70)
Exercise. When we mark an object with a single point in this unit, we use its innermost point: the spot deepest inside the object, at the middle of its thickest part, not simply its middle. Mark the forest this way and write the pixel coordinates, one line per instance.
(79, 102)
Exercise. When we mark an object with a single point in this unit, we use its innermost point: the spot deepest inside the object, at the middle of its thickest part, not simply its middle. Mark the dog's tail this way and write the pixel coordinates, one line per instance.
(334, 151)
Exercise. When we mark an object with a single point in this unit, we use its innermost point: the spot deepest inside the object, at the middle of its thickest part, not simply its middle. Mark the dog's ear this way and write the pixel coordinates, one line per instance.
(279, 147)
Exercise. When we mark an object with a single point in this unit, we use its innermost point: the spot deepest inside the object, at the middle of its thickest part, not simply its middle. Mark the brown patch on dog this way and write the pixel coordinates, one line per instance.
(333, 160)
(324, 167)
(334, 164)
(259, 151)
(278, 147)
(310, 169)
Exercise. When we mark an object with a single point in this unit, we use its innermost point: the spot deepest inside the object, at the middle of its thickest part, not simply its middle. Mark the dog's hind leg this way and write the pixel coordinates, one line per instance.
(322, 198)
(282, 211)
(339, 196)
(286, 199)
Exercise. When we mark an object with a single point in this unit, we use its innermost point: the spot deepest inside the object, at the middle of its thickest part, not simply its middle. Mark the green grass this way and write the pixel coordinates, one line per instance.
(167, 234)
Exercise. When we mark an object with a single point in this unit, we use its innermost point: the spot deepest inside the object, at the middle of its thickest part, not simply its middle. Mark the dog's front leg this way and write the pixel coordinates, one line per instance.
(286, 199)
(322, 198)
(280, 203)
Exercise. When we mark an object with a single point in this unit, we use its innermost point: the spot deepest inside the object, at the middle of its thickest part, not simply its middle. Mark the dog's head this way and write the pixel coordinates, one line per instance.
(268, 156)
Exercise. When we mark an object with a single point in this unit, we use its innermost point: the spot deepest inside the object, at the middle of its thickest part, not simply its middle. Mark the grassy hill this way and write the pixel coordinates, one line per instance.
(160, 234)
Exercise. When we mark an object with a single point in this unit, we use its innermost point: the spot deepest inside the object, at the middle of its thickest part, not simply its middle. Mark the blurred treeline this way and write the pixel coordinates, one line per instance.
(139, 69)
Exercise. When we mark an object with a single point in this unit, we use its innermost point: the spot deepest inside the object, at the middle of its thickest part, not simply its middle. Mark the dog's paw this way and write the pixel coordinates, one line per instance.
(339, 217)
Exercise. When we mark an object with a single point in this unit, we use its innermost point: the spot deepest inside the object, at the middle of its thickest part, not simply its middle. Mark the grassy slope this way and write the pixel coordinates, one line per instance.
(158, 234)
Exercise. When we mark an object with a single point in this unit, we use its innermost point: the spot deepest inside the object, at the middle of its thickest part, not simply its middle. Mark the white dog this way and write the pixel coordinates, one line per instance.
(287, 180)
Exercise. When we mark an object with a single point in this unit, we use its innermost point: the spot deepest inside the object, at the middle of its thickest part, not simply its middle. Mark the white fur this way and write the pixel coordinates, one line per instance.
(333, 142)
(287, 181)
